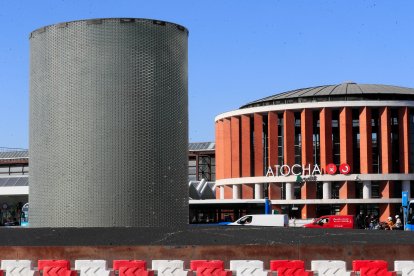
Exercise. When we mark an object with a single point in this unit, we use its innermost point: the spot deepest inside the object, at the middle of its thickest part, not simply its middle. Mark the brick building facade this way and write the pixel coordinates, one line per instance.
(280, 147)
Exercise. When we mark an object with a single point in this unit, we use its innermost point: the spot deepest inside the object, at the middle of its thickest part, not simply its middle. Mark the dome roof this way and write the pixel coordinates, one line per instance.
(347, 91)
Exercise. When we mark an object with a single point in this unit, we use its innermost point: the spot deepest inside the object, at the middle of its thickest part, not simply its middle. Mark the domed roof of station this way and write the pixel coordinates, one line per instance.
(347, 91)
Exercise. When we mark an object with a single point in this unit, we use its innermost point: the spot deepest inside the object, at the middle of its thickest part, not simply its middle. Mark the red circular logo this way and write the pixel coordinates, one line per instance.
(331, 168)
(344, 168)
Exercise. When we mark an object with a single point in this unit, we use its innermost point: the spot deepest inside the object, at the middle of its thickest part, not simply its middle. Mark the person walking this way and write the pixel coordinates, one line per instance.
(359, 221)
(390, 224)
(398, 223)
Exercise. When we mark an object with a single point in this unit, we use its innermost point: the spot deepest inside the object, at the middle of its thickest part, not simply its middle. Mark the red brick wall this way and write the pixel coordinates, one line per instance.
(258, 144)
(365, 130)
(345, 136)
(325, 120)
(289, 137)
(385, 136)
(306, 123)
(273, 136)
(403, 120)
(235, 147)
(245, 142)
(227, 148)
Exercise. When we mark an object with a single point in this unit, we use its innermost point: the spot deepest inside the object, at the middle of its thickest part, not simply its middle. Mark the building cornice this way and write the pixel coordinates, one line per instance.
(312, 105)
(319, 178)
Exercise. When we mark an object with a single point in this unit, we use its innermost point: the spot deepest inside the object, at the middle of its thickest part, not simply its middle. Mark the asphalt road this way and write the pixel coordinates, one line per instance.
(198, 235)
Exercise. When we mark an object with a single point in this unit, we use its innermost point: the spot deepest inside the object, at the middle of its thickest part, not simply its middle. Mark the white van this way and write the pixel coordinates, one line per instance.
(263, 220)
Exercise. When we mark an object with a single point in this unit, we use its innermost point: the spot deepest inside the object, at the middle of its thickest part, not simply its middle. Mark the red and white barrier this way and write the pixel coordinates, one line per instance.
(204, 268)
(329, 268)
(18, 268)
(92, 268)
(169, 267)
(248, 268)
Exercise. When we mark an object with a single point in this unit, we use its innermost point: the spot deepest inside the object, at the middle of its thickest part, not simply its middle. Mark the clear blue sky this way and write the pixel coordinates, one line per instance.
(239, 51)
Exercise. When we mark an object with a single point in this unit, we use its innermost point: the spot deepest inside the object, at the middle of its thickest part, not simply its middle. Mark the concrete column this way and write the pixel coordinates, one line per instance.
(406, 187)
(258, 191)
(221, 192)
(289, 191)
(366, 189)
(236, 191)
(326, 190)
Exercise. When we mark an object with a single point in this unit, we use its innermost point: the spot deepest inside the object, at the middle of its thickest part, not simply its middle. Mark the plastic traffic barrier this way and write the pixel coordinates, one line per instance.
(371, 268)
(247, 268)
(92, 267)
(372, 271)
(209, 268)
(41, 264)
(55, 268)
(236, 264)
(293, 272)
(169, 267)
(276, 264)
(17, 267)
(329, 268)
(405, 268)
(117, 264)
(289, 268)
(377, 264)
(195, 264)
(132, 268)
(79, 264)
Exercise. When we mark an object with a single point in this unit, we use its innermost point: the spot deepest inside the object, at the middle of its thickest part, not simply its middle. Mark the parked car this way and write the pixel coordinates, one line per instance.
(332, 221)
(263, 220)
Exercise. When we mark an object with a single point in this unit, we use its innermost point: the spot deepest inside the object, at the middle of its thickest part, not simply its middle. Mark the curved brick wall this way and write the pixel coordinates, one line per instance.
(373, 137)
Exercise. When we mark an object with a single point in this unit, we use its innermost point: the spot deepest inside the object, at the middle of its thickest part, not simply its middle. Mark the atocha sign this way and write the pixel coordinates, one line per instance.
(312, 170)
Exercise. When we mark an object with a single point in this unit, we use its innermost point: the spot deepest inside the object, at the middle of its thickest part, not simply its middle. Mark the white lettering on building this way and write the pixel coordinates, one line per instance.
(296, 169)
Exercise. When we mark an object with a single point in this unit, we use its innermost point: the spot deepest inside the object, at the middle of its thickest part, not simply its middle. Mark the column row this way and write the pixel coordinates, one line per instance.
(246, 145)
(346, 190)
